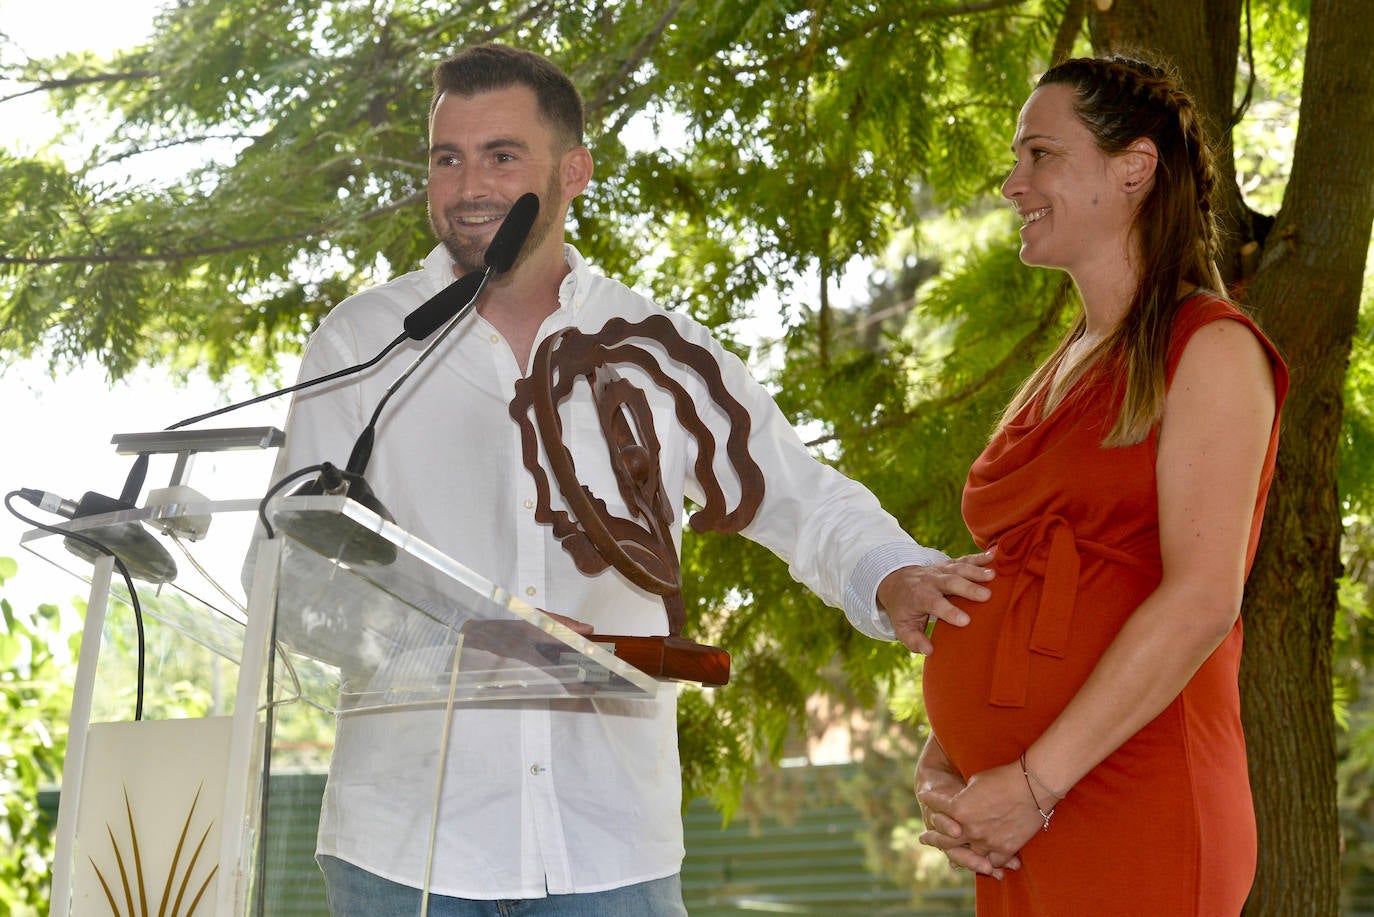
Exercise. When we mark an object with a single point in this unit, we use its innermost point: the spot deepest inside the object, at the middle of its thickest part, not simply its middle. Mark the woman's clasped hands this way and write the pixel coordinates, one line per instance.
(981, 824)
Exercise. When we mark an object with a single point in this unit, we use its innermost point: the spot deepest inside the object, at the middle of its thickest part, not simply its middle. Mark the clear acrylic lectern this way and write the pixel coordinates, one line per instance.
(260, 656)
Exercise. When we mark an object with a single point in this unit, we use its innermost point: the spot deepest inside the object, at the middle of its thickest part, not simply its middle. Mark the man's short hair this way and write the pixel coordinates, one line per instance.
(489, 67)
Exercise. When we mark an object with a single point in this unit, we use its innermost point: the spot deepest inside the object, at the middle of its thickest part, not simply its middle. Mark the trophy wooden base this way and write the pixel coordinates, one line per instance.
(673, 658)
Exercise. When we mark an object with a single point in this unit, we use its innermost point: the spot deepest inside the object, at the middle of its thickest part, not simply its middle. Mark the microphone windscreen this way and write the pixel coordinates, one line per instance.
(143, 555)
(510, 237)
(430, 315)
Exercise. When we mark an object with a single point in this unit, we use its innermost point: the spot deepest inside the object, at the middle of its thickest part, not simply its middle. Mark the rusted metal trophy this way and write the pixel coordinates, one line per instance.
(641, 548)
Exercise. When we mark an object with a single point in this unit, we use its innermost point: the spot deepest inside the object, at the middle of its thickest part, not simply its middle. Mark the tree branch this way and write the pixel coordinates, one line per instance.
(228, 247)
(1047, 320)
(72, 82)
(159, 146)
(633, 59)
(1244, 104)
(885, 20)
(1070, 27)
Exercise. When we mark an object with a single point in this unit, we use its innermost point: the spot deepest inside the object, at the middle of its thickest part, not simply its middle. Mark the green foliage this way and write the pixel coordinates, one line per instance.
(925, 400)
(1353, 662)
(1271, 88)
(37, 670)
(304, 123)
(35, 696)
(1354, 692)
(743, 151)
(808, 136)
(1357, 449)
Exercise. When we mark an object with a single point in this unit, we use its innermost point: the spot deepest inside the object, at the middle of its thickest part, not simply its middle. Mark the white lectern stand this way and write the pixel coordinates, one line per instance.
(346, 618)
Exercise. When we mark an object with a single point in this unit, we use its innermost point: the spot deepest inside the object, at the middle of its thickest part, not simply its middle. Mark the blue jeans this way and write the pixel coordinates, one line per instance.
(354, 892)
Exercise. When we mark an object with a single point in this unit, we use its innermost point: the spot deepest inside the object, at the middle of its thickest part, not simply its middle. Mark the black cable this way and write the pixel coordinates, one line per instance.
(123, 571)
(362, 449)
(293, 388)
(272, 491)
(133, 485)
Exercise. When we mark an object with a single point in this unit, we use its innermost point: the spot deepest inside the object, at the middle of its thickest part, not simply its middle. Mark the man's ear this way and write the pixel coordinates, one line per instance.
(575, 170)
(1136, 165)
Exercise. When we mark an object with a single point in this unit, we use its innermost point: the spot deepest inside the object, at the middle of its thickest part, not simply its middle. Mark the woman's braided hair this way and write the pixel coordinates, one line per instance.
(1121, 100)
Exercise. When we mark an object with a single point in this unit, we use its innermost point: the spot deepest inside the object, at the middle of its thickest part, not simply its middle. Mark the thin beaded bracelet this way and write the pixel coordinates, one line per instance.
(1025, 772)
(1043, 785)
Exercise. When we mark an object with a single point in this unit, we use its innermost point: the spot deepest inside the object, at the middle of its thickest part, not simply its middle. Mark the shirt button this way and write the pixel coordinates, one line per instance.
(529, 504)
(530, 590)
(495, 338)
(535, 770)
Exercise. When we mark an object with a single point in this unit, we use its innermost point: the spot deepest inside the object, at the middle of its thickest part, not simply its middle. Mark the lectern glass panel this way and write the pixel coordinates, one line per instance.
(323, 645)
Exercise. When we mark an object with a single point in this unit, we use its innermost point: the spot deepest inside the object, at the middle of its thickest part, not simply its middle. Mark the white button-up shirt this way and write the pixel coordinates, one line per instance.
(551, 796)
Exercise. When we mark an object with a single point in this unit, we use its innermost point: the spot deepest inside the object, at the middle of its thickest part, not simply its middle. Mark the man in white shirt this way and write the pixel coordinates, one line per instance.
(567, 807)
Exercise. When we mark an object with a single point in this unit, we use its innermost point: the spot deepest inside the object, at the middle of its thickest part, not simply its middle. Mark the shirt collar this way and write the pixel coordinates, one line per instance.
(572, 292)
(438, 269)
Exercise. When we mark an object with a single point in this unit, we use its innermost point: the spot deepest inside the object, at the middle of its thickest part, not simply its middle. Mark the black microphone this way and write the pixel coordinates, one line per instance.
(142, 554)
(442, 306)
(342, 538)
(145, 557)
(511, 234)
(499, 257)
(419, 324)
(423, 321)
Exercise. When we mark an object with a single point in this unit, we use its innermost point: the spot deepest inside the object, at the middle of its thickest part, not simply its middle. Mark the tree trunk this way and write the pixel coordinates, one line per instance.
(1307, 294)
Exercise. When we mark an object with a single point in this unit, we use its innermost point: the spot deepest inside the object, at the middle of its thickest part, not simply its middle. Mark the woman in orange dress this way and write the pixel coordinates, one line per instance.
(1086, 755)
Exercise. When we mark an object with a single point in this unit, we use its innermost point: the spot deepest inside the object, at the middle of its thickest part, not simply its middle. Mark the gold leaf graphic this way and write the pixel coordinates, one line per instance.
(179, 878)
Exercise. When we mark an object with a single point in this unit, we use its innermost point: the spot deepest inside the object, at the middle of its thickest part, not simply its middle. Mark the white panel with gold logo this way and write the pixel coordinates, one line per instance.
(148, 828)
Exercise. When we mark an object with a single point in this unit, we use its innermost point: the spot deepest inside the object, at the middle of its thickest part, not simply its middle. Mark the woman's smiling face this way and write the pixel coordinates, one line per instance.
(1066, 190)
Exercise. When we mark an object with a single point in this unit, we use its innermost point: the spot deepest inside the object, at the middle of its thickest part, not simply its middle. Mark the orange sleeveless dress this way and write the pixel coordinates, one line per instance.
(1165, 825)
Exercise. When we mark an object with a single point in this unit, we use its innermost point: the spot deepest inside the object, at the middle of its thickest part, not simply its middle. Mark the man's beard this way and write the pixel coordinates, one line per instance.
(468, 256)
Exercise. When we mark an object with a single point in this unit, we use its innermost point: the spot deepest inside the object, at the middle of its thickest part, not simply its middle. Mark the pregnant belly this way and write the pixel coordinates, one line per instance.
(988, 696)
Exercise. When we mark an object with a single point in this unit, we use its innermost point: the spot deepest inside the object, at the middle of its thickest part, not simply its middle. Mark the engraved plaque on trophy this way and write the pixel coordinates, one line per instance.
(641, 547)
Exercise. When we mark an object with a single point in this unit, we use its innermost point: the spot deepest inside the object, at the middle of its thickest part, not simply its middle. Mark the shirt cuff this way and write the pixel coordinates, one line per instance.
(861, 595)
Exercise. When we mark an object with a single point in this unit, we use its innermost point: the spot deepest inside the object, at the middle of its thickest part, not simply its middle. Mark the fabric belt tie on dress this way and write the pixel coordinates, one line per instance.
(1041, 548)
